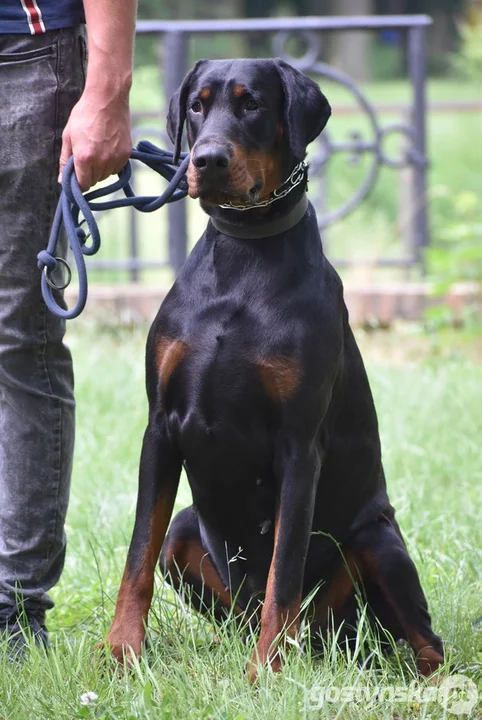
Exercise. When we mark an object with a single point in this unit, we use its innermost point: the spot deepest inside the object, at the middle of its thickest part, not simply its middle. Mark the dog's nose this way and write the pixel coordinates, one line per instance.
(211, 159)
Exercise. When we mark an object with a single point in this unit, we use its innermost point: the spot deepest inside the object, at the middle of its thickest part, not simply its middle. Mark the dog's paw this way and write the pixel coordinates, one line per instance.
(262, 658)
(428, 662)
(123, 648)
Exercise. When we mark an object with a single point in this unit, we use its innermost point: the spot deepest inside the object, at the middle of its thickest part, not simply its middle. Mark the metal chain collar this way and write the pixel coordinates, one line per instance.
(296, 177)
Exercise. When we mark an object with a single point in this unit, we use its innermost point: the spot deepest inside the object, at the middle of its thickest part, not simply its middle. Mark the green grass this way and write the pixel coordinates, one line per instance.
(429, 410)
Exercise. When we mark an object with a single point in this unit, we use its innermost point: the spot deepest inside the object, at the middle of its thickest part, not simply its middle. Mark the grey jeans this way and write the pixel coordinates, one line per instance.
(41, 78)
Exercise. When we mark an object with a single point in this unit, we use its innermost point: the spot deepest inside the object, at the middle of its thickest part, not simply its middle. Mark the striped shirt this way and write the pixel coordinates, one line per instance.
(38, 16)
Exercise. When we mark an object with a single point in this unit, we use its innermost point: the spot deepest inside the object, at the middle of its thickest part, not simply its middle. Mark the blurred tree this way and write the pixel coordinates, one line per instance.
(351, 48)
(443, 36)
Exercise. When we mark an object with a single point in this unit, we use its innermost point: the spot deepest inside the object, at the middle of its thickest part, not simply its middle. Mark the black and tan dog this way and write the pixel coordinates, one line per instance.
(256, 386)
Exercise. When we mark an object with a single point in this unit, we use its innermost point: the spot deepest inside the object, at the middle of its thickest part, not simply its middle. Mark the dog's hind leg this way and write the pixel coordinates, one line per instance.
(385, 561)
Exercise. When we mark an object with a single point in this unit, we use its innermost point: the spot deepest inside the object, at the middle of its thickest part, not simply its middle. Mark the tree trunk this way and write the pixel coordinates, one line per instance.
(351, 48)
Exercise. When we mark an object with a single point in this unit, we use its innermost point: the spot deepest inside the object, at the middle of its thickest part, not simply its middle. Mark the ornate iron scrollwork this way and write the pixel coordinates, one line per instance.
(356, 146)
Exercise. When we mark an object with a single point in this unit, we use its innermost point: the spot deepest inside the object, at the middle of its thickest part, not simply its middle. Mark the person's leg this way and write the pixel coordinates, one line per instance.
(41, 79)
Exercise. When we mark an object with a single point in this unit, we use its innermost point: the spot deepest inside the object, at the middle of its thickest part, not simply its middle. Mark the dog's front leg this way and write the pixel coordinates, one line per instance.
(297, 471)
(159, 473)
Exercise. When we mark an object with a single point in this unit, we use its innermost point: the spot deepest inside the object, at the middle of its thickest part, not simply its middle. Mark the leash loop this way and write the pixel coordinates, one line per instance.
(75, 211)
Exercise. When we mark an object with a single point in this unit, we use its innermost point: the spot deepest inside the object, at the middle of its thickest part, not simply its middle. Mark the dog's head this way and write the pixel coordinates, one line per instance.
(248, 123)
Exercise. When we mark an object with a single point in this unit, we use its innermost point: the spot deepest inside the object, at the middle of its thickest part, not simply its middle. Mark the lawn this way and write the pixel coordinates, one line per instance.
(428, 396)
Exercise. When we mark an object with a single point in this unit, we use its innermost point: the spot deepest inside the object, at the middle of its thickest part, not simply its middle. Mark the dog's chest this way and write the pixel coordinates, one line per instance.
(223, 366)
(222, 388)
(240, 358)
(247, 352)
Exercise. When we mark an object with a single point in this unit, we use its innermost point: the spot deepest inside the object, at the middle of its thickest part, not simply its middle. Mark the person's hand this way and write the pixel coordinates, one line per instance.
(98, 135)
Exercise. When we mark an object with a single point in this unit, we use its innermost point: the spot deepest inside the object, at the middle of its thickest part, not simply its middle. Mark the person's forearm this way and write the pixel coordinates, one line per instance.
(98, 133)
(110, 32)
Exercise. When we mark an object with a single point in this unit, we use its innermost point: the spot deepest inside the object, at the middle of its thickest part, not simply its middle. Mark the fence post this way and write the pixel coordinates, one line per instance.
(174, 64)
(417, 68)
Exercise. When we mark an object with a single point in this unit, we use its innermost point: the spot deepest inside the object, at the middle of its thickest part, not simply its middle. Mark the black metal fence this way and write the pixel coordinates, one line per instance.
(174, 38)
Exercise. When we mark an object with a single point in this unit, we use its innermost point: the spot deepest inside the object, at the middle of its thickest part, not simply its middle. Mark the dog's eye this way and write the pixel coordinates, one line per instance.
(251, 105)
(196, 106)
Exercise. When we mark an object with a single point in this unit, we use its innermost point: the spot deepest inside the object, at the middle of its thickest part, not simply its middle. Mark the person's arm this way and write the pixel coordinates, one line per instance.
(98, 133)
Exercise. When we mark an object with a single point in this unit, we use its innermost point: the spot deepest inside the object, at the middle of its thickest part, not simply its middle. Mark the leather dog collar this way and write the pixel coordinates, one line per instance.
(264, 229)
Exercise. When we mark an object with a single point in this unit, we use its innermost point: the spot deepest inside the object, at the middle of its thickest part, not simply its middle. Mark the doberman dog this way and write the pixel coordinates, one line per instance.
(257, 388)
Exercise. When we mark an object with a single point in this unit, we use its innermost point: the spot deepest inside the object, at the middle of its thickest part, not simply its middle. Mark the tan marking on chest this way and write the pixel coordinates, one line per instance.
(169, 354)
(279, 375)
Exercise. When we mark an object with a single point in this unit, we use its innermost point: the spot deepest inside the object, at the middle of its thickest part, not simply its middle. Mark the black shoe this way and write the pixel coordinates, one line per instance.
(17, 626)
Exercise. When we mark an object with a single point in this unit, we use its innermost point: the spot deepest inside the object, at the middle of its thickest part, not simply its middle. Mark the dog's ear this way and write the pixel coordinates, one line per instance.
(306, 109)
(176, 116)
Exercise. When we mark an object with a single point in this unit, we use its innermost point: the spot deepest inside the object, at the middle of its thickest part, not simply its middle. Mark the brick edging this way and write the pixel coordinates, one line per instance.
(377, 302)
